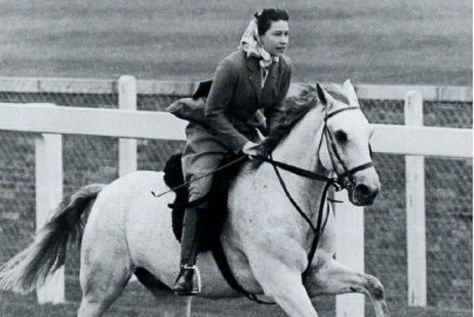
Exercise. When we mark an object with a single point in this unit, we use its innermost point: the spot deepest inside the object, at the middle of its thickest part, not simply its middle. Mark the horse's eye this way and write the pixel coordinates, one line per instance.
(341, 136)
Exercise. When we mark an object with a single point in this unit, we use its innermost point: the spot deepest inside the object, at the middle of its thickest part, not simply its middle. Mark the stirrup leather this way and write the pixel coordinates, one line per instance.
(196, 274)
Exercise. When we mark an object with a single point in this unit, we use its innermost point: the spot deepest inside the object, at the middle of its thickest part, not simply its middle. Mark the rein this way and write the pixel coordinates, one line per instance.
(299, 171)
(318, 230)
(344, 180)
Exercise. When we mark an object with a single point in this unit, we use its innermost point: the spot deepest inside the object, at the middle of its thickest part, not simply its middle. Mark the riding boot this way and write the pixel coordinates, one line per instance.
(189, 248)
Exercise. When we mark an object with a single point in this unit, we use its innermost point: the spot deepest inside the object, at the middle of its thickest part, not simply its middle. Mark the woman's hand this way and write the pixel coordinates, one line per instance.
(251, 149)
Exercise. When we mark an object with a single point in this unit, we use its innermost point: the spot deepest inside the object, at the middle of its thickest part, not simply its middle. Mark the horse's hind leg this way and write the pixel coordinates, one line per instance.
(333, 278)
(101, 287)
(105, 271)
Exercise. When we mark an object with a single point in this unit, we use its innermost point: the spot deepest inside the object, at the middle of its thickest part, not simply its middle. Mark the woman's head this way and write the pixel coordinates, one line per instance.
(267, 16)
(272, 25)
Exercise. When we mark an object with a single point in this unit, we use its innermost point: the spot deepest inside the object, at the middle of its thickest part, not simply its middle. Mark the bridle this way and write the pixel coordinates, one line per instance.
(346, 178)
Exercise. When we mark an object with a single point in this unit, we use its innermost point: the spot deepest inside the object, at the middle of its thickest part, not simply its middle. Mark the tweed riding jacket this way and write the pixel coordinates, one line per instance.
(236, 96)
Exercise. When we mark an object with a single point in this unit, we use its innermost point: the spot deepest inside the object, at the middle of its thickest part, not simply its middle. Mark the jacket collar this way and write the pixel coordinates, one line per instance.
(252, 64)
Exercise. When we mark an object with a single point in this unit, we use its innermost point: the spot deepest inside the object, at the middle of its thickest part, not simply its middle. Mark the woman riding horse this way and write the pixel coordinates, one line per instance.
(257, 76)
(270, 237)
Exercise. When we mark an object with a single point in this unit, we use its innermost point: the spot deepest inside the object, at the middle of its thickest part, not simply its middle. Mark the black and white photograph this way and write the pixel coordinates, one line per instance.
(205, 158)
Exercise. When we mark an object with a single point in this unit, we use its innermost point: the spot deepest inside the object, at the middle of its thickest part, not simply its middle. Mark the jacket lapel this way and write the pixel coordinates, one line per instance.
(270, 83)
(255, 77)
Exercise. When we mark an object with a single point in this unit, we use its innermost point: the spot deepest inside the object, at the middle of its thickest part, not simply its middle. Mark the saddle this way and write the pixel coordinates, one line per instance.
(212, 219)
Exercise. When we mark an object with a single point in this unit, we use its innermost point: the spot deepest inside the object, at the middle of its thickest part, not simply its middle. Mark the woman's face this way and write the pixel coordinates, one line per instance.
(275, 40)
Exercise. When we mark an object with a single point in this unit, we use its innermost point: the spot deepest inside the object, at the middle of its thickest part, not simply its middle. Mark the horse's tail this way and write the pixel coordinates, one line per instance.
(30, 268)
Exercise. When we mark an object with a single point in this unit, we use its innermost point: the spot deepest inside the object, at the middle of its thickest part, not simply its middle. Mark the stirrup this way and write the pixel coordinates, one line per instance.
(197, 274)
(195, 269)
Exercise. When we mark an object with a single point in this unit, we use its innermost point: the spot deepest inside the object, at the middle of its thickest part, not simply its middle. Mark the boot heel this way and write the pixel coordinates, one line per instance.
(184, 285)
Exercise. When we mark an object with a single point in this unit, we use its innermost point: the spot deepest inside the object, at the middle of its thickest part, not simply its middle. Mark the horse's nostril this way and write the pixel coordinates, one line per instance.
(363, 190)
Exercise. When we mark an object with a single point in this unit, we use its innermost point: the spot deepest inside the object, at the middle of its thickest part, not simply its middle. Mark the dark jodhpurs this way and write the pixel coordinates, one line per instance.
(201, 156)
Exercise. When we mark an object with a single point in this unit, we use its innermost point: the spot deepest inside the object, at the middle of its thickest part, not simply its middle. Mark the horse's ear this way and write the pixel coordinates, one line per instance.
(324, 96)
(351, 94)
(321, 94)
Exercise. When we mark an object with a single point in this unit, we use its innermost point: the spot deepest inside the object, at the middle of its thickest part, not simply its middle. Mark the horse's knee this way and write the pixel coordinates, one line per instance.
(375, 287)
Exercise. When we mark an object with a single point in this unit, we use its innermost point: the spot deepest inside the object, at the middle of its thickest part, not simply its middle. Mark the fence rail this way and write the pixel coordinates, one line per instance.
(412, 139)
(44, 118)
(182, 88)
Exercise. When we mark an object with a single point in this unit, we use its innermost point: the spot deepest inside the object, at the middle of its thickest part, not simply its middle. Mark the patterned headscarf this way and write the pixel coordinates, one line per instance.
(251, 43)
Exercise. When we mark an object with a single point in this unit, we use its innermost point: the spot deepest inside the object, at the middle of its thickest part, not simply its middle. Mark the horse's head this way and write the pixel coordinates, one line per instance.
(345, 144)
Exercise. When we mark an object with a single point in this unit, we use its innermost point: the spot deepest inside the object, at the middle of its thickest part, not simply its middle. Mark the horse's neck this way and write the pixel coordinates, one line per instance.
(255, 188)
(300, 148)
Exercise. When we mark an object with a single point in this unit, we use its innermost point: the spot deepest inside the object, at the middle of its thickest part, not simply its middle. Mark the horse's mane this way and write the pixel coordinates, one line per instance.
(295, 108)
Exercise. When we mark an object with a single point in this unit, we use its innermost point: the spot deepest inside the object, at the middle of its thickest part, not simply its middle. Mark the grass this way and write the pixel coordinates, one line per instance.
(393, 42)
(138, 304)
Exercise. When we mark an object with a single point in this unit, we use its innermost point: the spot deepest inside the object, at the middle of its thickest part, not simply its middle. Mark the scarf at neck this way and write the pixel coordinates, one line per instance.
(251, 43)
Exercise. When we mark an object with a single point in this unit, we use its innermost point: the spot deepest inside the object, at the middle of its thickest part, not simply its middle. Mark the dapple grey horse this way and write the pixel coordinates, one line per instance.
(265, 241)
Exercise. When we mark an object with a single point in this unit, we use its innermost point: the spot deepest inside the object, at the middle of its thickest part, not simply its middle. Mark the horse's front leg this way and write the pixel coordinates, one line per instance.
(282, 283)
(334, 278)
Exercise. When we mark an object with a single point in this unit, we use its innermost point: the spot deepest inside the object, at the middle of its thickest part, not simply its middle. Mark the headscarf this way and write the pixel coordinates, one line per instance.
(251, 43)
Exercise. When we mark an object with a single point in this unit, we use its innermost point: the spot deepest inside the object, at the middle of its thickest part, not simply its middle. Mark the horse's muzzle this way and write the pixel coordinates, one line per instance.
(363, 192)
(362, 195)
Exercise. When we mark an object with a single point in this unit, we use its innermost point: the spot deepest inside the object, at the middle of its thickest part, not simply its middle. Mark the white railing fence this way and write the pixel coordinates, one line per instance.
(412, 139)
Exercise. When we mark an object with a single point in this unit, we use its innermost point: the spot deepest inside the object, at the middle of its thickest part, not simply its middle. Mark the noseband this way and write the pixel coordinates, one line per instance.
(345, 179)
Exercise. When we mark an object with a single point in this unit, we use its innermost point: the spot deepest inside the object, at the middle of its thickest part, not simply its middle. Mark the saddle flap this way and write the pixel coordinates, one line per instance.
(212, 219)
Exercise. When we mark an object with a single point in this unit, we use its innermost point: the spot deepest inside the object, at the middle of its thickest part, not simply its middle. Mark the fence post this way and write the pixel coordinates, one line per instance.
(127, 93)
(349, 251)
(49, 193)
(415, 204)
